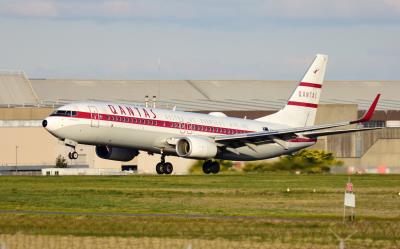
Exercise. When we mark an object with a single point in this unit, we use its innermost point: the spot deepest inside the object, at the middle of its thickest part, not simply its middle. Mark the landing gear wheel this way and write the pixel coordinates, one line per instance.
(160, 168)
(168, 168)
(207, 167)
(215, 167)
(163, 167)
(74, 155)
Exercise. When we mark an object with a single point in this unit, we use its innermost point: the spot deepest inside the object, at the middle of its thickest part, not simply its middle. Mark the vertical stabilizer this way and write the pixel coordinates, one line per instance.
(301, 108)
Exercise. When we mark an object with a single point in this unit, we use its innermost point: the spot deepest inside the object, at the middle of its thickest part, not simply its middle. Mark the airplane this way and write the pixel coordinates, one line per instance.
(119, 131)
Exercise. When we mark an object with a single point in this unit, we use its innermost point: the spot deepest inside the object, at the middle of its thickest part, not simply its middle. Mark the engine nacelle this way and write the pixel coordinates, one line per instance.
(194, 147)
(116, 153)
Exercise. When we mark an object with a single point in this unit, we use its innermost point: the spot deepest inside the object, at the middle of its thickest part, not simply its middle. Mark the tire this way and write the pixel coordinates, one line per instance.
(74, 155)
(160, 168)
(207, 167)
(70, 155)
(168, 168)
(215, 167)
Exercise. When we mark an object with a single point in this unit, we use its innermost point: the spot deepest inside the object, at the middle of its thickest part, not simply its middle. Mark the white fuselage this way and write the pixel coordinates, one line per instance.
(148, 129)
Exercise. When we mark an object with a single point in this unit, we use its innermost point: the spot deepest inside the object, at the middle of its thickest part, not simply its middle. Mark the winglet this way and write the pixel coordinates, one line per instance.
(368, 115)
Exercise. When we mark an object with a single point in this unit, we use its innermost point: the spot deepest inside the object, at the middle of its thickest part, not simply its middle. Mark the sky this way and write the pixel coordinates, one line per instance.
(207, 39)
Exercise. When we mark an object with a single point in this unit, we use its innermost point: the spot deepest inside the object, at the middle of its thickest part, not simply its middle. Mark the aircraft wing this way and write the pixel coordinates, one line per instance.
(286, 134)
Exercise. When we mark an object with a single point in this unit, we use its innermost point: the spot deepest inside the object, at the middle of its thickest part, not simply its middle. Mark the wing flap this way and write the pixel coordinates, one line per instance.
(335, 132)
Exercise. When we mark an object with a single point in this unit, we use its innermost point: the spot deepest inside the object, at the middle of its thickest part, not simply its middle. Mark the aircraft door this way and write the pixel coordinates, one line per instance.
(189, 127)
(94, 116)
(182, 126)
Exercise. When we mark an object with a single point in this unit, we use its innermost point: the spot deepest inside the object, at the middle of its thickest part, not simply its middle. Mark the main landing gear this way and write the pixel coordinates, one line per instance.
(164, 167)
(211, 167)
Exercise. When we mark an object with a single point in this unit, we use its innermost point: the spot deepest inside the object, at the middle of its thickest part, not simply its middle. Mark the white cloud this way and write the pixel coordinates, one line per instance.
(206, 11)
(395, 4)
(31, 8)
(130, 50)
(325, 10)
(250, 41)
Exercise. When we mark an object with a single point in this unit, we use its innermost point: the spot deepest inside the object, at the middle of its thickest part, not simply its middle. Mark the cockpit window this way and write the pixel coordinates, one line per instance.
(64, 113)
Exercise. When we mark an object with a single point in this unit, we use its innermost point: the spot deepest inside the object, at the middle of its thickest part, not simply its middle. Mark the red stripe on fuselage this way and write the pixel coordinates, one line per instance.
(158, 123)
(313, 85)
(169, 124)
(303, 104)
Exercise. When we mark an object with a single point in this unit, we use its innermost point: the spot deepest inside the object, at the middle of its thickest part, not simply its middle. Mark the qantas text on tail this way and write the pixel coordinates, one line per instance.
(120, 131)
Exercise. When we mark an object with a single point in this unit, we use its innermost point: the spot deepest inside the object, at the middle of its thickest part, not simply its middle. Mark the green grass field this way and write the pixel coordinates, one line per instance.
(232, 208)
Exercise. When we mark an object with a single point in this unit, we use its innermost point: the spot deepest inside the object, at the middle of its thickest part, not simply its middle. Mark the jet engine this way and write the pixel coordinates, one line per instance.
(195, 147)
(116, 153)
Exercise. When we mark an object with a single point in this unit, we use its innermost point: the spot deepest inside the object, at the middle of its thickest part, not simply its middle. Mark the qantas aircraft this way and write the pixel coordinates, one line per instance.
(120, 131)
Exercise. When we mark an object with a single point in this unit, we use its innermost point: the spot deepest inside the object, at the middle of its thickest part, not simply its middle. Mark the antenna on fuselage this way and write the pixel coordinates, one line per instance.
(146, 101)
(154, 101)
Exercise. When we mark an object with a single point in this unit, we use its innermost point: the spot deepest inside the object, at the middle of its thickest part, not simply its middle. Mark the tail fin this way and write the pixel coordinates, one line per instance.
(301, 107)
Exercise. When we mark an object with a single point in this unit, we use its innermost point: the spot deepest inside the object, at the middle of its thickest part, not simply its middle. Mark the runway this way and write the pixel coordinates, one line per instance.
(173, 215)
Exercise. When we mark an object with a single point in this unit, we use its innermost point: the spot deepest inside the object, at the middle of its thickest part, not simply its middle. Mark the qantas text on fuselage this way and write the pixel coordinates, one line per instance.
(120, 131)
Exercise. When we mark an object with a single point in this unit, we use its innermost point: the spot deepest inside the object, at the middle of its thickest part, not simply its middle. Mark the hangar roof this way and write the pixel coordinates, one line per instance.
(192, 94)
(15, 88)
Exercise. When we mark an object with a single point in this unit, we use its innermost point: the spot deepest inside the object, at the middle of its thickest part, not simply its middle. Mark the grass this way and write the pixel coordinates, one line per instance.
(301, 216)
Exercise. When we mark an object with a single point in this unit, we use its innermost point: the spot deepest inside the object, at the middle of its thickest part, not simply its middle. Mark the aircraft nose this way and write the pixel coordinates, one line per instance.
(50, 125)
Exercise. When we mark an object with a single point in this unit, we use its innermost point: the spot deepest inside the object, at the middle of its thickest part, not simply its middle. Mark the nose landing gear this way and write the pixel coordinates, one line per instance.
(164, 167)
(73, 155)
(211, 167)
